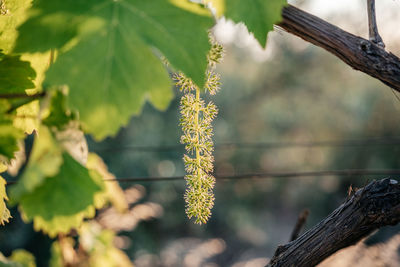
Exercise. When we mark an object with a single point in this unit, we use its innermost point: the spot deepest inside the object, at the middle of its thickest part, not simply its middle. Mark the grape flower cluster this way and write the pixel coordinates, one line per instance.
(196, 119)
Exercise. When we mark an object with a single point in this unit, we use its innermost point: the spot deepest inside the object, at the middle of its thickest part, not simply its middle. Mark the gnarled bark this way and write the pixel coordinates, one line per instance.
(359, 53)
(369, 208)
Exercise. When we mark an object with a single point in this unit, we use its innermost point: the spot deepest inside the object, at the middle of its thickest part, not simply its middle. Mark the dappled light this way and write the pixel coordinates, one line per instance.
(111, 218)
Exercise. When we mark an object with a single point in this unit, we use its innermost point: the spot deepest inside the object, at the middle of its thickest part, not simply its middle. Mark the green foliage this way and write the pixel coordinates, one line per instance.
(61, 202)
(26, 116)
(96, 249)
(45, 161)
(9, 135)
(46, 26)
(55, 191)
(196, 118)
(59, 114)
(12, 13)
(96, 91)
(19, 258)
(258, 15)
(15, 75)
(4, 212)
(56, 259)
(113, 48)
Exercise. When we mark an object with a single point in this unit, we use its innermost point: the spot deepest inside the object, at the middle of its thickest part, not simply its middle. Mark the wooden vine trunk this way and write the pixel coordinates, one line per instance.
(369, 208)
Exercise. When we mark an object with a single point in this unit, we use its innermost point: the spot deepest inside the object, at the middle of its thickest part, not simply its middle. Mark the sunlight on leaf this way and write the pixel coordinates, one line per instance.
(40, 63)
(18, 258)
(110, 92)
(25, 258)
(45, 161)
(27, 117)
(9, 135)
(4, 212)
(15, 15)
(51, 24)
(15, 75)
(113, 69)
(63, 201)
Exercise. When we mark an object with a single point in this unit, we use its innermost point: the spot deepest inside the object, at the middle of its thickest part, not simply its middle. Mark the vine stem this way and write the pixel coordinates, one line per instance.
(52, 57)
(373, 28)
(22, 95)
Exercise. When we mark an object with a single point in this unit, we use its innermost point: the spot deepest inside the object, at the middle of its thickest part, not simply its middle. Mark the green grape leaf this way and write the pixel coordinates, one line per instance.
(56, 259)
(27, 117)
(13, 13)
(46, 157)
(109, 93)
(45, 161)
(112, 49)
(51, 24)
(15, 75)
(9, 135)
(63, 201)
(179, 29)
(59, 115)
(258, 15)
(40, 63)
(25, 258)
(4, 212)
(18, 258)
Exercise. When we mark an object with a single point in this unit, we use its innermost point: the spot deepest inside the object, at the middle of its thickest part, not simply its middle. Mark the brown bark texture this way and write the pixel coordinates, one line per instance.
(369, 208)
(361, 54)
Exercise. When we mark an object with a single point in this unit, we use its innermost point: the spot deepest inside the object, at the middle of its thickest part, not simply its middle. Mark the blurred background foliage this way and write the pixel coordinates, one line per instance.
(292, 92)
